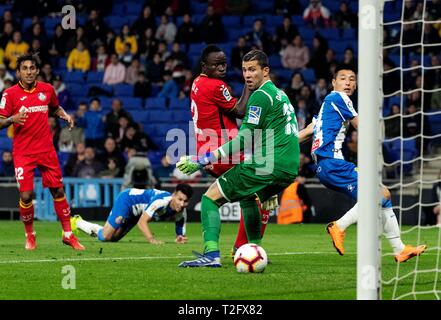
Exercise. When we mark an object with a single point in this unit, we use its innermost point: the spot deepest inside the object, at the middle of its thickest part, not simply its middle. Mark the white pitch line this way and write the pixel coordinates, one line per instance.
(136, 258)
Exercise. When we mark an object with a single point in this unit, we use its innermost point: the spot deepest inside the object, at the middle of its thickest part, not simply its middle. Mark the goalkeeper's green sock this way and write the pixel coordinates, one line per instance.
(211, 224)
(252, 220)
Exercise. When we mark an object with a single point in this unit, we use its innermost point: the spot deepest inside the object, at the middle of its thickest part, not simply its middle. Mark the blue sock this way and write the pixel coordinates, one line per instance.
(386, 203)
(100, 235)
(213, 254)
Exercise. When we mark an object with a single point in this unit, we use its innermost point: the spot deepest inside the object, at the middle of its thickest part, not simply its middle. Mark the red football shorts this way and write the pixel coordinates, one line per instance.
(48, 165)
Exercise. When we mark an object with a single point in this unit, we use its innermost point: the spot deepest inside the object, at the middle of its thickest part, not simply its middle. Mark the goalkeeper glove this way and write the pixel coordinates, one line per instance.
(191, 164)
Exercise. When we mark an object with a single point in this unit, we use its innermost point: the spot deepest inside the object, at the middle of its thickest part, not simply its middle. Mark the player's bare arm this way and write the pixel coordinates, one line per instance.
(306, 133)
(240, 108)
(354, 122)
(62, 114)
(143, 225)
(19, 118)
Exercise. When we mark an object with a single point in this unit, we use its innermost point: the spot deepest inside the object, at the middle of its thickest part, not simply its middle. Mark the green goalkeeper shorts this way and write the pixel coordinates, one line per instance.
(245, 181)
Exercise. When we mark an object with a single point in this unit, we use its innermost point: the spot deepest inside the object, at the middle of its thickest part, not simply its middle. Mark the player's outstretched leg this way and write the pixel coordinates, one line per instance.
(78, 223)
(211, 229)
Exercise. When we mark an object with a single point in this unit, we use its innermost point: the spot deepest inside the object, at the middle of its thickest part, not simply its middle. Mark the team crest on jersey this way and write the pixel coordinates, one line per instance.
(254, 114)
(226, 93)
(41, 96)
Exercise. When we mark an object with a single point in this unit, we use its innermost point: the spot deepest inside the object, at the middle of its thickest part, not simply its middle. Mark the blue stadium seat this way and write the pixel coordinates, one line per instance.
(63, 157)
(307, 34)
(50, 23)
(118, 8)
(155, 103)
(248, 21)
(349, 34)
(131, 103)
(181, 116)
(196, 48)
(232, 21)
(159, 116)
(197, 18)
(62, 63)
(115, 22)
(308, 76)
(75, 76)
(95, 77)
(331, 33)
(273, 21)
(198, 8)
(76, 89)
(275, 61)
(5, 143)
(297, 20)
(133, 7)
(155, 158)
(176, 103)
(234, 33)
(284, 74)
(139, 116)
(123, 90)
(26, 23)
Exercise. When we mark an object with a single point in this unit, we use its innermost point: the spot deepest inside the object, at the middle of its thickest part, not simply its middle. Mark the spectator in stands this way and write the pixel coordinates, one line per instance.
(135, 138)
(166, 30)
(46, 71)
(6, 36)
(115, 72)
(58, 43)
(113, 117)
(349, 57)
(293, 91)
(187, 31)
(412, 124)
(147, 44)
(95, 130)
(318, 57)
(415, 99)
(433, 9)
(296, 55)
(4, 75)
(110, 41)
(37, 32)
(7, 165)
(320, 90)
(306, 166)
(238, 51)
(89, 167)
(138, 170)
(79, 36)
(259, 38)
(102, 59)
(392, 125)
(170, 88)
(15, 48)
(432, 37)
(118, 134)
(127, 56)
(311, 104)
(238, 7)
(391, 80)
(79, 58)
(165, 171)
(178, 55)
(211, 29)
(95, 28)
(62, 93)
(432, 78)
(186, 85)
(75, 159)
(143, 87)
(316, 15)
(285, 33)
(80, 115)
(162, 50)
(36, 47)
(8, 18)
(287, 7)
(145, 21)
(344, 18)
(69, 138)
(302, 114)
(123, 38)
(133, 72)
(112, 170)
(111, 151)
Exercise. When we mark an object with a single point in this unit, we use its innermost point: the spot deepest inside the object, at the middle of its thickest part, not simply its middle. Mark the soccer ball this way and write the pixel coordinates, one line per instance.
(250, 258)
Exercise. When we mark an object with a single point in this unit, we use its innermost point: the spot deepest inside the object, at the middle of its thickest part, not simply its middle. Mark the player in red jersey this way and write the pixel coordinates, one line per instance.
(214, 111)
(26, 106)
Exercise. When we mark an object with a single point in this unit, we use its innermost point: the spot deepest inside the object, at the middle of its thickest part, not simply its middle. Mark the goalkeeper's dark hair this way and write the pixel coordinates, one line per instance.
(207, 50)
(257, 55)
(344, 66)
(185, 189)
(29, 57)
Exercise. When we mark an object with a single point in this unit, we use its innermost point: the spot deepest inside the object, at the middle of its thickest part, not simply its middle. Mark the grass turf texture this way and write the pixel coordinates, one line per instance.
(304, 266)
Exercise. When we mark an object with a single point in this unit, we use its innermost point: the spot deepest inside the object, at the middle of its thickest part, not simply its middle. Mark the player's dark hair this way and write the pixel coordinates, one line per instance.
(257, 55)
(29, 57)
(185, 189)
(344, 66)
(207, 50)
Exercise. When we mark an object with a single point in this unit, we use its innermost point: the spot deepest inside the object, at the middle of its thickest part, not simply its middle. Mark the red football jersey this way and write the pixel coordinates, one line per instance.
(34, 136)
(211, 103)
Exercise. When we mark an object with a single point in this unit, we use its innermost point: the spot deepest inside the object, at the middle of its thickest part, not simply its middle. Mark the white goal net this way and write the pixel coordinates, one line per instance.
(411, 119)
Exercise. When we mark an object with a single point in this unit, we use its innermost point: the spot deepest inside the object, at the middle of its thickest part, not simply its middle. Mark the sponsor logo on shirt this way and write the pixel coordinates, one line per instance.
(254, 114)
(34, 109)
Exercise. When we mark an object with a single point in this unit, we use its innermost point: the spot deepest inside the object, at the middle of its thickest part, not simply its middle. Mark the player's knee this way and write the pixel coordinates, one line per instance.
(57, 193)
(26, 197)
(386, 193)
(104, 236)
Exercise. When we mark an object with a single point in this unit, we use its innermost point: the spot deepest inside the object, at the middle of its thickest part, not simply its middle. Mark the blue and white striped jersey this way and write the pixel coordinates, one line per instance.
(331, 124)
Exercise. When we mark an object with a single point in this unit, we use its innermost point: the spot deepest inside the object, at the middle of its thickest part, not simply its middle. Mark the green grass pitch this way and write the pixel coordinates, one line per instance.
(304, 266)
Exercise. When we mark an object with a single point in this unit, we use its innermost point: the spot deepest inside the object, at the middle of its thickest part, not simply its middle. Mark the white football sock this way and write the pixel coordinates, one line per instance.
(391, 230)
(348, 218)
(67, 233)
(88, 227)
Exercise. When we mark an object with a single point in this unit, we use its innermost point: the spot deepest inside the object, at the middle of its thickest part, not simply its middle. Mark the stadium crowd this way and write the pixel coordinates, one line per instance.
(125, 72)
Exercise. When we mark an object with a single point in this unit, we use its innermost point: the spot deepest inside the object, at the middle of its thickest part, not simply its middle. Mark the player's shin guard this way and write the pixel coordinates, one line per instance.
(27, 215)
(62, 210)
(391, 229)
(252, 220)
(211, 224)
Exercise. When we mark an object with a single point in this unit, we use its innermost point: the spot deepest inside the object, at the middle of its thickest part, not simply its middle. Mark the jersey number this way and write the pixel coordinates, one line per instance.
(194, 110)
(19, 173)
(291, 126)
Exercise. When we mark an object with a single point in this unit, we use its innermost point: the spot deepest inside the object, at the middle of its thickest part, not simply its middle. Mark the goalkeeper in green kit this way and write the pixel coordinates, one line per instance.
(270, 130)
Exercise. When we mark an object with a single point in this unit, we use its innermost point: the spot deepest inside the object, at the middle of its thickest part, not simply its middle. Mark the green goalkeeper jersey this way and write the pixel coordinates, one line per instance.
(270, 124)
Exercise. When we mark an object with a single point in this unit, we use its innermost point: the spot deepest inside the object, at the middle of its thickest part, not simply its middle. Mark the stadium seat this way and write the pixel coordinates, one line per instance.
(196, 48)
(248, 21)
(308, 76)
(159, 116)
(95, 77)
(331, 33)
(123, 90)
(176, 103)
(131, 103)
(76, 89)
(181, 116)
(262, 6)
(50, 23)
(115, 22)
(298, 20)
(275, 61)
(198, 8)
(234, 33)
(155, 103)
(139, 116)
(232, 21)
(5, 143)
(75, 76)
